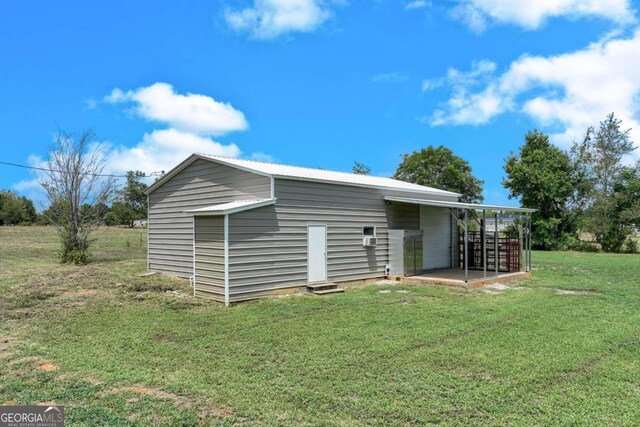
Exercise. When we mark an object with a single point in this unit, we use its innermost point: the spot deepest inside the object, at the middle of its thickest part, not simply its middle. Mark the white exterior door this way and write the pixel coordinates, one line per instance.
(435, 223)
(317, 253)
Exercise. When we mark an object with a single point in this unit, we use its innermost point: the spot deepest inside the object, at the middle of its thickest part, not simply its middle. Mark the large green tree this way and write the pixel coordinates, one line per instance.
(624, 215)
(543, 177)
(439, 167)
(627, 196)
(131, 202)
(16, 210)
(599, 158)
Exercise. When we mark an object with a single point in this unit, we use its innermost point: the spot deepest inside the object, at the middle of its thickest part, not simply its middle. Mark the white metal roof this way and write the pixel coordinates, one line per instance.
(323, 175)
(458, 205)
(231, 207)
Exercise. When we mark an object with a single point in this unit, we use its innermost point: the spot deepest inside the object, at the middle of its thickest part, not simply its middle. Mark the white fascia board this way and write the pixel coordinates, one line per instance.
(232, 210)
(232, 165)
(459, 205)
(378, 187)
(173, 172)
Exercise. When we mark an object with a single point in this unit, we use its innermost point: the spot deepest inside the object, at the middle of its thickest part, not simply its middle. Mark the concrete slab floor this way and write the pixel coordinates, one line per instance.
(455, 277)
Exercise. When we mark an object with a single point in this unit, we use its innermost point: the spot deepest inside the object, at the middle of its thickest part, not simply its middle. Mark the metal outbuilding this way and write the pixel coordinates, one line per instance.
(242, 229)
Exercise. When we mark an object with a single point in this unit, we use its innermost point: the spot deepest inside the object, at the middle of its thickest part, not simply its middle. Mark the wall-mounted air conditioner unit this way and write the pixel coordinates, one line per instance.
(369, 241)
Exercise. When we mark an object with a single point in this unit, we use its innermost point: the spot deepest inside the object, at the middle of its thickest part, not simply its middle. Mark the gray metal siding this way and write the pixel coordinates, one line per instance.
(203, 183)
(209, 252)
(268, 246)
(436, 225)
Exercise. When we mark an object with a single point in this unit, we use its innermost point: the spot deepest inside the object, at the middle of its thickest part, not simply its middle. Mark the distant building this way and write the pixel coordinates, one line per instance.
(140, 223)
(503, 223)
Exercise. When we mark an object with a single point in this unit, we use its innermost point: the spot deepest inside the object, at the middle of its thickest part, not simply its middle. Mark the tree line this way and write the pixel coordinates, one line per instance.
(586, 197)
(129, 204)
(587, 190)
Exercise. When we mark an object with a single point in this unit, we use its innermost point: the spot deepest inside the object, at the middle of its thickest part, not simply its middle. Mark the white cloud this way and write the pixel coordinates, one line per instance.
(27, 185)
(31, 187)
(191, 120)
(417, 4)
(161, 150)
(390, 77)
(194, 113)
(464, 106)
(268, 19)
(530, 15)
(259, 156)
(569, 92)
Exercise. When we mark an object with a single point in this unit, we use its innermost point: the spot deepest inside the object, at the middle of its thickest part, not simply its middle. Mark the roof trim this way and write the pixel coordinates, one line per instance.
(231, 163)
(458, 205)
(221, 160)
(230, 207)
(443, 193)
(187, 162)
(173, 172)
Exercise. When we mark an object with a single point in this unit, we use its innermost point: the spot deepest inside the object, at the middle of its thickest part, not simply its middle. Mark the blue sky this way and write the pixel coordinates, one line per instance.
(317, 83)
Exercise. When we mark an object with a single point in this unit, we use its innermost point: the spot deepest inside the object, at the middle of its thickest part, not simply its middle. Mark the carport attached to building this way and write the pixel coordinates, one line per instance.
(452, 253)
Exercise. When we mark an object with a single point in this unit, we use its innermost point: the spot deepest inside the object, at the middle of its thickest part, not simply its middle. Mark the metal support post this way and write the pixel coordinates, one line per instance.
(495, 243)
(466, 247)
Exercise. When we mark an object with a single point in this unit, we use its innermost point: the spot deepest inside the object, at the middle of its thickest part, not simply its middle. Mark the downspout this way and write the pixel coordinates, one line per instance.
(273, 187)
(226, 260)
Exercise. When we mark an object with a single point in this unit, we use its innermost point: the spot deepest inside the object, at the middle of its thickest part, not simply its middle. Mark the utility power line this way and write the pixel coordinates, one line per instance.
(152, 174)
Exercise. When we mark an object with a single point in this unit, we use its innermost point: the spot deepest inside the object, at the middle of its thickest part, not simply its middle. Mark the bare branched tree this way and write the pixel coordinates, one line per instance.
(74, 183)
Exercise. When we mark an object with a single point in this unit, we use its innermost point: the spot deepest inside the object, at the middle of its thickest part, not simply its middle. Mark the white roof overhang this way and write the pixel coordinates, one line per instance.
(231, 207)
(458, 205)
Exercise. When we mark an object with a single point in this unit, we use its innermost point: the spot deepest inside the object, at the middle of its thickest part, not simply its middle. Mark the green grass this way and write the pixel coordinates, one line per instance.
(127, 352)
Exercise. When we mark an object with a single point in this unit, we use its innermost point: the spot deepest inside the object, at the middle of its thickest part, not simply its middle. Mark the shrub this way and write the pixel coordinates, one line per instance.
(589, 247)
(575, 244)
(613, 241)
(74, 249)
(631, 246)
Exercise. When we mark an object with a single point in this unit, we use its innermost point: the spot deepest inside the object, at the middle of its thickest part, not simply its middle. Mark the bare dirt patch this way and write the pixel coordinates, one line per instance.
(207, 411)
(48, 367)
(154, 392)
(213, 411)
(574, 292)
(386, 282)
(498, 288)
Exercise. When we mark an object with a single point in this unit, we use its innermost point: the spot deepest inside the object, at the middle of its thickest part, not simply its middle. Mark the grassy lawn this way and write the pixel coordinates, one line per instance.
(118, 349)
